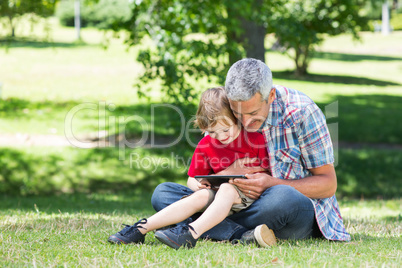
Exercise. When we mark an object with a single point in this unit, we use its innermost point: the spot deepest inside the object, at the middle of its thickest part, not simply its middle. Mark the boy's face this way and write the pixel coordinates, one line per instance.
(224, 133)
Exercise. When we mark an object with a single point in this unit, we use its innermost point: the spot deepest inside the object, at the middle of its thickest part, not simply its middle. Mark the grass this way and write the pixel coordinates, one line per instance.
(70, 230)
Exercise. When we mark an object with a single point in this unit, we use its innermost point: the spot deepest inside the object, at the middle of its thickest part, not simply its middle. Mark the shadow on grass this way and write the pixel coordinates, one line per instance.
(369, 173)
(38, 44)
(135, 203)
(361, 171)
(366, 118)
(74, 170)
(353, 57)
(14, 108)
(163, 120)
(337, 79)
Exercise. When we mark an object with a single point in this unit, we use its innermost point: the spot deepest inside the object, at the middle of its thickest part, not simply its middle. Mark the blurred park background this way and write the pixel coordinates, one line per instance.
(89, 107)
(105, 79)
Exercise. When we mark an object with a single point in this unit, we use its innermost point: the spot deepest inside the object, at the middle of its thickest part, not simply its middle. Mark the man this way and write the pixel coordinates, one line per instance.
(297, 200)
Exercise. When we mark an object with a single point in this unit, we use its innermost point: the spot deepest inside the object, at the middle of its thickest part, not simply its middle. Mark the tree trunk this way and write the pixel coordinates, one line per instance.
(12, 26)
(234, 40)
(251, 36)
(302, 57)
(254, 37)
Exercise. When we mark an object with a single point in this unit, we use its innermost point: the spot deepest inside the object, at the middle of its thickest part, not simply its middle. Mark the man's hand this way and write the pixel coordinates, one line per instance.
(255, 184)
(242, 166)
(322, 183)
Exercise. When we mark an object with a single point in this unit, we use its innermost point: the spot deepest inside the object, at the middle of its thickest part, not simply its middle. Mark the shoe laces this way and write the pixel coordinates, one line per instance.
(181, 228)
(131, 228)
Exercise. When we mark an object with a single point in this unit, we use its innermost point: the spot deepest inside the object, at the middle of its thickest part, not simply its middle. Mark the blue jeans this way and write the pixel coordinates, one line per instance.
(282, 208)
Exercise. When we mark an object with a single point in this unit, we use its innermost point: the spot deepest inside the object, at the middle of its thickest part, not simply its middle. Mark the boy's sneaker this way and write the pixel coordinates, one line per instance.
(261, 235)
(129, 234)
(176, 237)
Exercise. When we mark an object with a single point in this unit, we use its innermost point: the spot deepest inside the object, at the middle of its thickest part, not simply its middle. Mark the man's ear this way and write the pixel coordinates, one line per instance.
(272, 95)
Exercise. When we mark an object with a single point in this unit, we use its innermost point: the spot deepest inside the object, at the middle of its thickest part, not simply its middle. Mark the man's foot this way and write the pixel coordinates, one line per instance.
(129, 234)
(261, 235)
(176, 237)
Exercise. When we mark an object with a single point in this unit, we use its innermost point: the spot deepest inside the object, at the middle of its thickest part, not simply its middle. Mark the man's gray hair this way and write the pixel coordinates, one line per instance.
(247, 77)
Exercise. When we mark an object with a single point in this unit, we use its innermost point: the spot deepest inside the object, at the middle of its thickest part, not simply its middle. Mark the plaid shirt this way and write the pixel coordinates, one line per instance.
(297, 140)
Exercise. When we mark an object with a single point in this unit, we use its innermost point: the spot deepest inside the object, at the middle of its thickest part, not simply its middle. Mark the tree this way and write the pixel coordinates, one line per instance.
(196, 39)
(302, 25)
(13, 9)
(101, 14)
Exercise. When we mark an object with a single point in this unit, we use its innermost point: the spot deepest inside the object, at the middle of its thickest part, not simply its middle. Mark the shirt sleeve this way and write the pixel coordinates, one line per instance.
(314, 138)
(199, 164)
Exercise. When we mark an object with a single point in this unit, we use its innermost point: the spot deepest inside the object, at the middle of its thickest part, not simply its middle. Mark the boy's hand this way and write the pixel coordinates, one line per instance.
(204, 184)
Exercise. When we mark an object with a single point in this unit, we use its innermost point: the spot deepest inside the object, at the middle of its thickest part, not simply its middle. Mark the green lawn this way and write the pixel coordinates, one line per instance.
(72, 231)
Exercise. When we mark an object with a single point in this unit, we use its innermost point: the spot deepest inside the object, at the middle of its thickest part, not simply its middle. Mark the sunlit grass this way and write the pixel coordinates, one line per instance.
(72, 231)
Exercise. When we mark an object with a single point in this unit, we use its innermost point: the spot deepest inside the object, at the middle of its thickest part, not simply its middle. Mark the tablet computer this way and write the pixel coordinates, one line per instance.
(216, 180)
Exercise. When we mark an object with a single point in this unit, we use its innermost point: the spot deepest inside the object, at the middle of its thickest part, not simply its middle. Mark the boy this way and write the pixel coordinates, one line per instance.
(225, 143)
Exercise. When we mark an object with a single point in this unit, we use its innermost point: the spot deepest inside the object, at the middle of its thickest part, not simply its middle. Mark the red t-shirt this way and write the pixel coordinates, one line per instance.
(211, 156)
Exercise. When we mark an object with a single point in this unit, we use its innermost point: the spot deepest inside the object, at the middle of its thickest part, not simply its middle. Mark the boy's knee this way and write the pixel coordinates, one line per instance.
(202, 195)
(203, 198)
(227, 188)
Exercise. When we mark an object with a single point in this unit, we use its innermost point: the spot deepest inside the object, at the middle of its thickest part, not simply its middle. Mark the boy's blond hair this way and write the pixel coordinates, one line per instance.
(214, 105)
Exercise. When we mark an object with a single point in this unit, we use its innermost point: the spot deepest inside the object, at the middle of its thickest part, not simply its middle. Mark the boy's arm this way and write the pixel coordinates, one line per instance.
(241, 167)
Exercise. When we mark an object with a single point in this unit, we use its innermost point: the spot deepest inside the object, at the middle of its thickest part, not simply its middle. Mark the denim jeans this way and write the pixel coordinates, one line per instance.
(282, 208)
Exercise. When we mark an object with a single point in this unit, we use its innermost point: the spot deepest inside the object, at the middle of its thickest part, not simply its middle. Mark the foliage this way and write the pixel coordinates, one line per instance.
(103, 14)
(396, 21)
(195, 40)
(192, 40)
(14, 9)
(301, 25)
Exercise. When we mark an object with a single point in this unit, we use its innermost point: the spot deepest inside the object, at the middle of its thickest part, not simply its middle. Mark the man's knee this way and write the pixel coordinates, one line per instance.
(165, 194)
(284, 197)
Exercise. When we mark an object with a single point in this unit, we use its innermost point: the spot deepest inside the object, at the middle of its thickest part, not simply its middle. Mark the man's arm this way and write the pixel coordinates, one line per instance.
(321, 184)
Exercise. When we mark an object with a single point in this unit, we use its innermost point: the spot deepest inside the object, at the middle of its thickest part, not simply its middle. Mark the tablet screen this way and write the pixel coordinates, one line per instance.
(216, 180)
